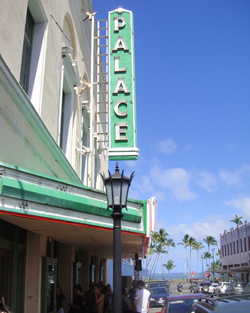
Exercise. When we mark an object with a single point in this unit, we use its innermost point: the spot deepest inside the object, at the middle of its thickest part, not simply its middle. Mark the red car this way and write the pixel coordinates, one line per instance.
(180, 303)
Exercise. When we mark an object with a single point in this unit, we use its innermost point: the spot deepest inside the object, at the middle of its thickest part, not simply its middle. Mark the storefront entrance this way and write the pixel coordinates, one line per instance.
(4, 256)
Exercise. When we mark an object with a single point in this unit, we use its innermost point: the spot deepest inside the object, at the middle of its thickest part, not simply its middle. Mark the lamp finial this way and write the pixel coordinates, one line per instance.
(117, 167)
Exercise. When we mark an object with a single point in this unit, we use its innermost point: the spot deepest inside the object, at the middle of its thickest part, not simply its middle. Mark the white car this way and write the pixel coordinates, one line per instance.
(212, 287)
(221, 288)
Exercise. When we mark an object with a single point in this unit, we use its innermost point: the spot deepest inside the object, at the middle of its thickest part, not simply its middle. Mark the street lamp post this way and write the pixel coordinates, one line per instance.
(202, 266)
(117, 186)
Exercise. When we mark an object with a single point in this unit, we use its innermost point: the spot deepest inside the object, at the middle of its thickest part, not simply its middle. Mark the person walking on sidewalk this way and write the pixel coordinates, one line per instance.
(142, 298)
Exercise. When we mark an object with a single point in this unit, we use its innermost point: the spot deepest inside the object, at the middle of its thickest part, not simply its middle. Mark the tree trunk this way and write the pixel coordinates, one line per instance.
(197, 263)
(187, 263)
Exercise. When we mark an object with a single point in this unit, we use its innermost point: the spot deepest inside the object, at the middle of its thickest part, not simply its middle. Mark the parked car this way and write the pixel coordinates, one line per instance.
(202, 286)
(158, 296)
(246, 288)
(221, 288)
(235, 287)
(192, 280)
(222, 304)
(180, 303)
(156, 284)
(212, 287)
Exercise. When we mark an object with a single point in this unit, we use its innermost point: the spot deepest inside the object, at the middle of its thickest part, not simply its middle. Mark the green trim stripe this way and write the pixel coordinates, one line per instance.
(61, 181)
(73, 220)
(47, 196)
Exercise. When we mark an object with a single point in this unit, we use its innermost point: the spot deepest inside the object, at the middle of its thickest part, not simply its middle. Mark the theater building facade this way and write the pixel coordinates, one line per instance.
(55, 229)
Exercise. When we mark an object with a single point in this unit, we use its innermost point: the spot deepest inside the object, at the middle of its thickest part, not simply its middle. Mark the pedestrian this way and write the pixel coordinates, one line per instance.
(108, 299)
(126, 303)
(134, 287)
(60, 300)
(132, 295)
(97, 300)
(88, 297)
(78, 301)
(142, 298)
(3, 307)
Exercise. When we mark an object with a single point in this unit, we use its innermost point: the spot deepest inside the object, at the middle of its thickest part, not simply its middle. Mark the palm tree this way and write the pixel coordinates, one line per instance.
(154, 263)
(159, 250)
(169, 266)
(210, 241)
(154, 239)
(161, 240)
(217, 265)
(237, 220)
(184, 242)
(150, 254)
(169, 243)
(190, 243)
(207, 255)
(218, 253)
(197, 246)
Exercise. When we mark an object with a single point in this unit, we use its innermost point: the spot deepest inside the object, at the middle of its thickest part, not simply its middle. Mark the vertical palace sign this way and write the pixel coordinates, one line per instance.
(122, 102)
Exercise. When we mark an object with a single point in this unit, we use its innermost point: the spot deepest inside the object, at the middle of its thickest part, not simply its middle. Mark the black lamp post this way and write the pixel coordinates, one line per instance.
(117, 186)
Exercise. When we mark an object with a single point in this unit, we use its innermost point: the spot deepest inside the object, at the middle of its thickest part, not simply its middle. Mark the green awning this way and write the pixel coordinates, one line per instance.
(47, 196)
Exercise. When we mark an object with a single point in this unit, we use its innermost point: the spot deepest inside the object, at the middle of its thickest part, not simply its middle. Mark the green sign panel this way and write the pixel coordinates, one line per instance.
(122, 110)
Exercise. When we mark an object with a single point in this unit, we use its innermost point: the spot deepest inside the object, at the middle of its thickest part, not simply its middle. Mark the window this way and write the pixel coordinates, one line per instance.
(245, 244)
(85, 136)
(248, 242)
(222, 251)
(237, 244)
(65, 118)
(31, 73)
(231, 251)
(241, 247)
(227, 249)
(49, 284)
(26, 55)
(62, 122)
(234, 247)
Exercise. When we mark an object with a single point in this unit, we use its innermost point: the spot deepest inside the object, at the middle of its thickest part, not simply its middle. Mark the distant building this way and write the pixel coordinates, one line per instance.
(235, 251)
(54, 226)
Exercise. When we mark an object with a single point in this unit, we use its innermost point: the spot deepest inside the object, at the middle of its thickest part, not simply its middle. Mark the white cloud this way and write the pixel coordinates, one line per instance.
(167, 146)
(211, 226)
(206, 179)
(144, 185)
(234, 178)
(175, 180)
(243, 204)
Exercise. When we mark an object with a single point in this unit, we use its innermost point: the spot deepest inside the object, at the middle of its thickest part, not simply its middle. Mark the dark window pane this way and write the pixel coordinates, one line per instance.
(27, 45)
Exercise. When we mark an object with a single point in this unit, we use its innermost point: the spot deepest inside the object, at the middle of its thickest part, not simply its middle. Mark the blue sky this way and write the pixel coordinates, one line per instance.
(192, 61)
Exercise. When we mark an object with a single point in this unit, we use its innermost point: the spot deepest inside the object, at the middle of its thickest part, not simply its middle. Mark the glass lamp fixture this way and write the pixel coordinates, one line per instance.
(117, 187)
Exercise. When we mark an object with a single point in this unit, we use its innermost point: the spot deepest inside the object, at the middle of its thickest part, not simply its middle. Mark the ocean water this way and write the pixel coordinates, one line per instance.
(175, 276)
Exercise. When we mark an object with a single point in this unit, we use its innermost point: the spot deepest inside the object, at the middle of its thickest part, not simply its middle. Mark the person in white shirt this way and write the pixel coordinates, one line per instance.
(142, 298)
